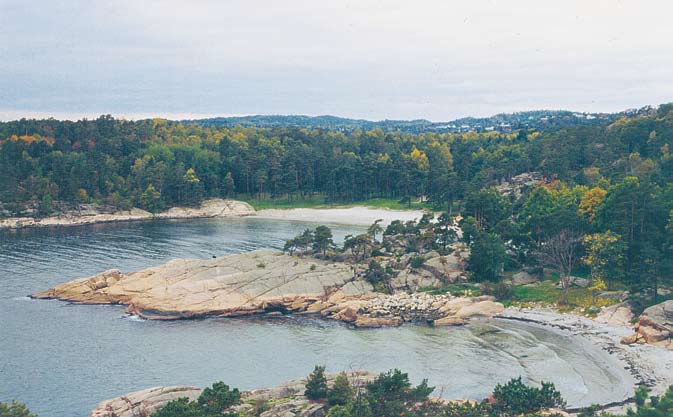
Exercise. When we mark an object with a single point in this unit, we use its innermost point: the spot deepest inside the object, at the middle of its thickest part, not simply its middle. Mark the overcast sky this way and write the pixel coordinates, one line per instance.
(437, 60)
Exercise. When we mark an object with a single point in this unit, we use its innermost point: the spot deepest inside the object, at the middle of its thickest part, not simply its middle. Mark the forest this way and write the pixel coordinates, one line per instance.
(604, 193)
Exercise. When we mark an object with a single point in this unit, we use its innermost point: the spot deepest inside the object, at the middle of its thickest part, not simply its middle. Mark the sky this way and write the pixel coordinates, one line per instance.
(371, 59)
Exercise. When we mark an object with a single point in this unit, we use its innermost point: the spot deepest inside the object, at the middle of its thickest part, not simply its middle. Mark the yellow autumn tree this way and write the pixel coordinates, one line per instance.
(590, 202)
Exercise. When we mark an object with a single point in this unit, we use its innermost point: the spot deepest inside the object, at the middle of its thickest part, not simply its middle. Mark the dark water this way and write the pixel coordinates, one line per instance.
(62, 359)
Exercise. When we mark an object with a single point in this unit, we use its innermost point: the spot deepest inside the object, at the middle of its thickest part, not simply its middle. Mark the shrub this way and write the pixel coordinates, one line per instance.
(375, 273)
(360, 407)
(339, 411)
(516, 398)
(217, 398)
(14, 409)
(342, 392)
(316, 384)
(212, 402)
(181, 407)
(417, 262)
(501, 290)
(261, 265)
(391, 393)
(259, 407)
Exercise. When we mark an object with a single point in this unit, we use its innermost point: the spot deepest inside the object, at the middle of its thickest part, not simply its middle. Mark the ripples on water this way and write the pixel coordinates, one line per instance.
(62, 359)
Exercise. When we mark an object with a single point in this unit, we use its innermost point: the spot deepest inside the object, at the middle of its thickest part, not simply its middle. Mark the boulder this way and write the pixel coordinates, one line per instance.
(348, 314)
(444, 267)
(575, 282)
(486, 308)
(449, 321)
(414, 279)
(523, 278)
(655, 325)
(616, 315)
(368, 321)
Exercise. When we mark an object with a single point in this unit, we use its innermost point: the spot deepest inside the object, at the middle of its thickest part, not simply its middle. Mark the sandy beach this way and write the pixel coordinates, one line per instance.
(360, 215)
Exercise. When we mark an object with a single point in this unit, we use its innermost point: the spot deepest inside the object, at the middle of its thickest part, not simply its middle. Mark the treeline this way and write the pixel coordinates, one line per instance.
(606, 198)
(155, 164)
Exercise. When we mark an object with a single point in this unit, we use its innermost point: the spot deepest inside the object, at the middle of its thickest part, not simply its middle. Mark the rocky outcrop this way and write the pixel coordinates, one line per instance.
(440, 310)
(655, 326)
(234, 285)
(519, 182)
(263, 282)
(143, 403)
(91, 214)
(616, 315)
(523, 278)
(284, 400)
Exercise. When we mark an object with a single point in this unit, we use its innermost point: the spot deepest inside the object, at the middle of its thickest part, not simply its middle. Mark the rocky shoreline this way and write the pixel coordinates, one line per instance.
(265, 281)
(91, 214)
(285, 400)
(649, 365)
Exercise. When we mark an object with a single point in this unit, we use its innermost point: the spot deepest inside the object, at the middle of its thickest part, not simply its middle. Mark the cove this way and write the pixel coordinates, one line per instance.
(62, 359)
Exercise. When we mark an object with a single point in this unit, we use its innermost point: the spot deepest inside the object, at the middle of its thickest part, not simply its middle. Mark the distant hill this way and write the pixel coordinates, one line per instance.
(505, 122)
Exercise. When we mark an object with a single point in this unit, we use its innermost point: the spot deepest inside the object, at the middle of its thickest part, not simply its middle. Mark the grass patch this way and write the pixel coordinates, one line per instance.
(546, 292)
(453, 289)
(318, 201)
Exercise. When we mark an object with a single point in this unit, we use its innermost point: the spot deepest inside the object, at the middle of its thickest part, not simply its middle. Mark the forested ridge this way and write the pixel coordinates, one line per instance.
(609, 187)
(115, 161)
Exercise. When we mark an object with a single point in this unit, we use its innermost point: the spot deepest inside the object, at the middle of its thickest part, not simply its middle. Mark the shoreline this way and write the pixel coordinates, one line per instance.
(216, 208)
(212, 208)
(546, 319)
(649, 365)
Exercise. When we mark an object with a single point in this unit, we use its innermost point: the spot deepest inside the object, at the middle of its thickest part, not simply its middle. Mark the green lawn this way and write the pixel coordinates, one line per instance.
(318, 201)
(547, 293)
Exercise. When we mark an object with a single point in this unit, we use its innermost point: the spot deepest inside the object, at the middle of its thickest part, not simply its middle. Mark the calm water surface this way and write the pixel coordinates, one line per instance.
(62, 359)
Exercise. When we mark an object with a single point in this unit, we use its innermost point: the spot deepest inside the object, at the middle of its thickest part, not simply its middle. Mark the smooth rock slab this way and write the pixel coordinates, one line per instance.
(143, 403)
(247, 283)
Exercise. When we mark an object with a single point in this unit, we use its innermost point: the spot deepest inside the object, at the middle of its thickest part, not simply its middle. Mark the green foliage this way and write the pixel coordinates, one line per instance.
(181, 407)
(375, 273)
(607, 177)
(46, 206)
(488, 208)
(322, 239)
(213, 402)
(215, 399)
(516, 398)
(391, 393)
(14, 409)
(341, 392)
(339, 411)
(316, 384)
(417, 262)
(487, 257)
(661, 406)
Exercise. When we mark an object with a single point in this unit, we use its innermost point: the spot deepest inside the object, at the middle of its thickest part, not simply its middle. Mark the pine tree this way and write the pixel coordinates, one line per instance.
(316, 384)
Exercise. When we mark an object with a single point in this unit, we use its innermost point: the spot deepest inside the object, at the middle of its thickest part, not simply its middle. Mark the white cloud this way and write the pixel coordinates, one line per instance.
(365, 58)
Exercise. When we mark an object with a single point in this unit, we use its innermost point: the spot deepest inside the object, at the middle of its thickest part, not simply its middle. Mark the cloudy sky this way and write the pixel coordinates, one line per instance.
(370, 59)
